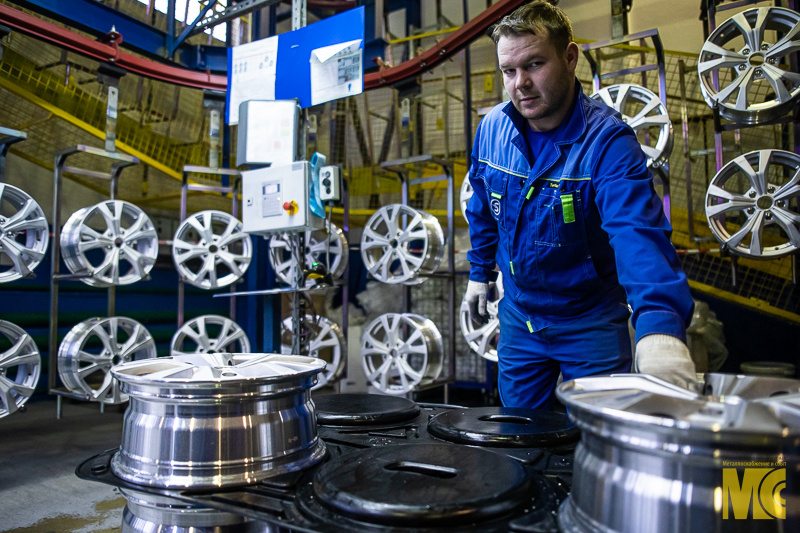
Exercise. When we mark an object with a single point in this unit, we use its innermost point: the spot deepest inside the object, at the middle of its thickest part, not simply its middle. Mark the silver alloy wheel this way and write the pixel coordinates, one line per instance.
(20, 365)
(24, 234)
(217, 420)
(93, 348)
(210, 250)
(642, 110)
(483, 339)
(326, 341)
(209, 334)
(319, 245)
(752, 207)
(400, 244)
(400, 352)
(740, 65)
(465, 195)
(113, 241)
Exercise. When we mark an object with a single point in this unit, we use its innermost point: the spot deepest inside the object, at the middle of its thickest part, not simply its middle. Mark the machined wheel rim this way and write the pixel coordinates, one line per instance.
(643, 111)
(24, 233)
(209, 334)
(113, 241)
(752, 214)
(748, 84)
(483, 339)
(320, 245)
(93, 348)
(325, 341)
(20, 365)
(210, 250)
(400, 243)
(465, 195)
(399, 352)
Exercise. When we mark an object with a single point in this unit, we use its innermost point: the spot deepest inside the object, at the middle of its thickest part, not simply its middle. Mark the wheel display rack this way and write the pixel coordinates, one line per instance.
(119, 162)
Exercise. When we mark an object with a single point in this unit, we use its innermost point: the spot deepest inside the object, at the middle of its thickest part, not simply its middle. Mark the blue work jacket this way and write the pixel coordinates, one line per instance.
(577, 227)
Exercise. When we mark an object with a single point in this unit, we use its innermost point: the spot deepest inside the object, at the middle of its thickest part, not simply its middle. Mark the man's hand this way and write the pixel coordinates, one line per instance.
(666, 357)
(477, 293)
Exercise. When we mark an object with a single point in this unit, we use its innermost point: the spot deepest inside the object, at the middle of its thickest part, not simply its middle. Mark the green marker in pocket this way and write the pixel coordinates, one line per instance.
(568, 208)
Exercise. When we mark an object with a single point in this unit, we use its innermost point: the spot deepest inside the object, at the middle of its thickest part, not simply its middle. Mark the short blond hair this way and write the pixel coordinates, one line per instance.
(537, 18)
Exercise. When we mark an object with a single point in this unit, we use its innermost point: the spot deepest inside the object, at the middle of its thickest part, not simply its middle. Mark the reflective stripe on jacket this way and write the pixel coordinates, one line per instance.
(571, 226)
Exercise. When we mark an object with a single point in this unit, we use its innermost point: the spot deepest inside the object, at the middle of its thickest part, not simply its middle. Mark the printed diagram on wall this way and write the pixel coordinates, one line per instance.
(251, 74)
(336, 71)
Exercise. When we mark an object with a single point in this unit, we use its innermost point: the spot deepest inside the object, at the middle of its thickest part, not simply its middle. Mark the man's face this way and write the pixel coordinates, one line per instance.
(539, 79)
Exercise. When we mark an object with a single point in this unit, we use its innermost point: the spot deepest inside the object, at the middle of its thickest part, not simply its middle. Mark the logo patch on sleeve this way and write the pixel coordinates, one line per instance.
(494, 204)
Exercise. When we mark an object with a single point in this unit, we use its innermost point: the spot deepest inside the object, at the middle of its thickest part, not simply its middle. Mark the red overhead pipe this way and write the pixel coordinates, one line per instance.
(334, 5)
(443, 50)
(108, 51)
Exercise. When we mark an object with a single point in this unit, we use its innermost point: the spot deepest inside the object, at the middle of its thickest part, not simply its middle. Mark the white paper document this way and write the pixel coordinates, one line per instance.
(252, 74)
(336, 71)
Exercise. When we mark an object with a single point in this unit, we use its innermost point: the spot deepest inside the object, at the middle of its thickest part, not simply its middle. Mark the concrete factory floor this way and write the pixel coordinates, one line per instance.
(39, 491)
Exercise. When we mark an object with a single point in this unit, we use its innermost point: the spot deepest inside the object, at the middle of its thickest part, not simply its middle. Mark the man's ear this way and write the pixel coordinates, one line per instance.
(571, 55)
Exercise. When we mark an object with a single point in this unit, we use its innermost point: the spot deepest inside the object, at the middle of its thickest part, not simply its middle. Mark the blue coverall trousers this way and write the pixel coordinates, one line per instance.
(529, 363)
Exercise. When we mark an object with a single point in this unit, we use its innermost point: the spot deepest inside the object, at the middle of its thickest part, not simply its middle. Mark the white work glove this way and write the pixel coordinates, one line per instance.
(666, 357)
(477, 293)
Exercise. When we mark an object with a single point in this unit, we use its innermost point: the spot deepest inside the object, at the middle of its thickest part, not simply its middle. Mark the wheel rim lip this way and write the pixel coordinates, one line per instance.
(730, 171)
(333, 371)
(73, 343)
(77, 262)
(187, 275)
(37, 241)
(641, 94)
(183, 333)
(281, 243)
(432, 358)
(756, 113)
(465, 194)
(32, 371)
(431, 253)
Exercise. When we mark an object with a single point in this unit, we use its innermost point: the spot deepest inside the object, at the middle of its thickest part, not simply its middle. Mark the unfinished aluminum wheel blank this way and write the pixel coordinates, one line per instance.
(93, 348)
(210, 250)
(483, 339)
(24, 234)
(752, 204)
(326, 341)
(20, 366)
(209, 334)
(401, 352)
(320, 245)
(465, 195)
(642, 110)
(400, 244)
(740, 65)
(114, 242)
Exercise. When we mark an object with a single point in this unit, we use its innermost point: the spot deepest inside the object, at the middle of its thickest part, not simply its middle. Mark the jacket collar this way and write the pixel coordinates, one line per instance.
(568, 132)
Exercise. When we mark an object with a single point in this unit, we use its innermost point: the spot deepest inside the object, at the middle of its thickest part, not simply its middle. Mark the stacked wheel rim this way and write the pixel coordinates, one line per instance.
(24, 234)
(465, 195)
(643, 111)
(483, 339)
(20, 366)
(210, 250)
(400, 352)
(113, 241)
(93, 348)
(401, 244)
(209, 334)
(752, 209)
(740, 65)
(325, 341)
(320, 245)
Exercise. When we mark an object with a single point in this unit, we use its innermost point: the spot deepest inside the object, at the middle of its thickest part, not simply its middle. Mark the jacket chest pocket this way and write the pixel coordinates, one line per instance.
(559, 220)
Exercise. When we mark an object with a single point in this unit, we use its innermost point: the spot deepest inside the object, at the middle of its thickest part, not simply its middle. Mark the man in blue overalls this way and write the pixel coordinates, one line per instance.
(564, 205)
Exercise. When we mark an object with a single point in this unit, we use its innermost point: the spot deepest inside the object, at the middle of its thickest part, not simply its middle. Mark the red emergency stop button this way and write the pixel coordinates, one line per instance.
(290, 207)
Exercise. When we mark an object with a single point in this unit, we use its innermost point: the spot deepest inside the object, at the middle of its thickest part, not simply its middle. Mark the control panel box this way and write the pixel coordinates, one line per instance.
(276, 199)
(330, 183)
(269, 133)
